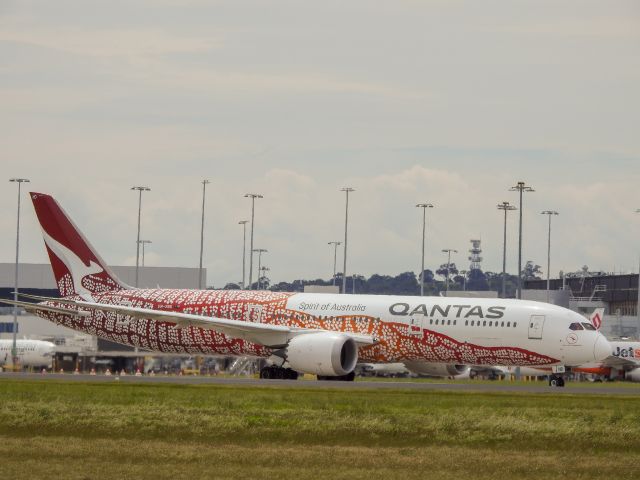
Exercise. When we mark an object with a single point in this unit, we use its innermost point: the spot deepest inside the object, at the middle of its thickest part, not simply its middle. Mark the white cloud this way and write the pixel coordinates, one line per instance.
(128, 43)
(407, 102)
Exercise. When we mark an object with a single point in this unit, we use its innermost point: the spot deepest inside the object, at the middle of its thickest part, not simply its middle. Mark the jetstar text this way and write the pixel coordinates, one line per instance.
(627, 352)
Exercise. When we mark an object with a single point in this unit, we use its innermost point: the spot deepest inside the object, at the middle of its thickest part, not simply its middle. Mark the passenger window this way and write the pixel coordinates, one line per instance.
(431, 322)
(576, 326)
(502, 324)
(448, 322)
(490, 324)
(466, 322)
(484, 324)
(514, 324)
(436, 322)
(508, 324)
(454, 322)
(588, 326)
(472, 323)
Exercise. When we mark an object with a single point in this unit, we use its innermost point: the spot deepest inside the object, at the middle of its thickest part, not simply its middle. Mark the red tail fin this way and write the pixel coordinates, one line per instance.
(76, 265)
(596, 318)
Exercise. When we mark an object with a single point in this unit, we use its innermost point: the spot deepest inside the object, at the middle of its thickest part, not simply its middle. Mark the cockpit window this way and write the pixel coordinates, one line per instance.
(588, 326)
(576, 326)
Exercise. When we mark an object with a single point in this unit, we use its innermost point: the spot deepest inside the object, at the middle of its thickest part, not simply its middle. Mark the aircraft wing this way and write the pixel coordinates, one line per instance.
(613, 361)
(274, 336)
(35, 307)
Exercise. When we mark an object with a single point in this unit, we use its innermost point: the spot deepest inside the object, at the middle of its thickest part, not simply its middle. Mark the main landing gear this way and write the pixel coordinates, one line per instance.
(349, 377)
(279, 373)
(556, 381)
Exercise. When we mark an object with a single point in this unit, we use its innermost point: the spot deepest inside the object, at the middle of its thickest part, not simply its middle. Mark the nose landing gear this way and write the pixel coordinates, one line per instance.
(556, 381)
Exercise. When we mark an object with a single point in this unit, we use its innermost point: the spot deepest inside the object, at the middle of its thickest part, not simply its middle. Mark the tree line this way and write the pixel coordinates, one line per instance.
(408, 283)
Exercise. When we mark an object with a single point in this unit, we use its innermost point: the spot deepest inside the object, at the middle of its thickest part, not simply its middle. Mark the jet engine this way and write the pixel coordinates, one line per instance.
(633, 375)
(436, 369)
(325, 353)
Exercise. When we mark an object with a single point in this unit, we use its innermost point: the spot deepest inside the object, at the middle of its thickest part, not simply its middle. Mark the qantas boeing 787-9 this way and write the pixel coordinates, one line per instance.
(321, 334)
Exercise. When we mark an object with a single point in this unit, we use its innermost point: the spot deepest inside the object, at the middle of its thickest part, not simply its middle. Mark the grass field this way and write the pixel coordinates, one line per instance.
(111, 430)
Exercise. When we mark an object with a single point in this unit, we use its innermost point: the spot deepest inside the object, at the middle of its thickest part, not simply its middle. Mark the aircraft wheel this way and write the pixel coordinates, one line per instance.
(553, 381)
(560, 382)
(349, 377)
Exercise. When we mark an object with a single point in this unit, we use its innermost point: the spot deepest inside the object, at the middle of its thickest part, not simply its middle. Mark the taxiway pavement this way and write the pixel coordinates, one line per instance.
(497, 386)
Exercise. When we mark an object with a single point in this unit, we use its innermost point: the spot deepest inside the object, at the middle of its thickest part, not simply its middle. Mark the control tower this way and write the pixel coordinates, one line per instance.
(475, 257)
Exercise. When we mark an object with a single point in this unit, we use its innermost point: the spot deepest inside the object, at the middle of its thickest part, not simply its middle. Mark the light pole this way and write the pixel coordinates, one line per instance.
(259, 251)
(244, 248)
(253, 197)
(204, 187)
(424, 207)
(448, 252)
(140, 190)
(143, 243)
(335, 258)
(346, 190)
(463, 273)
(520, 187)
(638, 307)
(506, 206)
(14, 348)
(549, 213)
(264, 271)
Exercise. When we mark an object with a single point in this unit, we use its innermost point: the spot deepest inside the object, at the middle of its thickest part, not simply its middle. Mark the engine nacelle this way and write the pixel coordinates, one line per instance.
(325, 353)
(436, 369)
(633, 375)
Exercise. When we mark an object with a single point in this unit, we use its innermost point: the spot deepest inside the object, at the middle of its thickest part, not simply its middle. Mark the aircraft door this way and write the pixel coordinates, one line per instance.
(536, 324)
(415, 327)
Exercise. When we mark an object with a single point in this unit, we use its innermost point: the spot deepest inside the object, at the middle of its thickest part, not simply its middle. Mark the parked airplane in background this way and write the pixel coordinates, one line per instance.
(31, 353)
(322, 334)
(623, 362)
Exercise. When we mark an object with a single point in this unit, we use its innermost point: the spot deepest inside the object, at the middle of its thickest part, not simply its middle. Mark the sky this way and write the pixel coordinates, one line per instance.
(446, 102)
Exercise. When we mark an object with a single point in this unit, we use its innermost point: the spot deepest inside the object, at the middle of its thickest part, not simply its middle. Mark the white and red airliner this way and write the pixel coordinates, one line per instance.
(30, 353)
(320, 334)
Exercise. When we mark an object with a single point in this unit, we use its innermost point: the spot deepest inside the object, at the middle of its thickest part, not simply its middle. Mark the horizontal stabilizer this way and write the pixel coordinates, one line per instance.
(35, 307)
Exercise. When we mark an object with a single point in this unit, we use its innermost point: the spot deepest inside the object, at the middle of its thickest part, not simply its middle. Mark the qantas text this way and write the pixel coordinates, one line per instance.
(464, 311)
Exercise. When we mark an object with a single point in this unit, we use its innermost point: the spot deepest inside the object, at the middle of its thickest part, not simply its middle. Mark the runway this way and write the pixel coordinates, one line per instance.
(498, 386)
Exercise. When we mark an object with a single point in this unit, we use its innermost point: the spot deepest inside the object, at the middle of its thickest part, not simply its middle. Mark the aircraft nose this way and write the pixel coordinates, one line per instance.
(601, 348)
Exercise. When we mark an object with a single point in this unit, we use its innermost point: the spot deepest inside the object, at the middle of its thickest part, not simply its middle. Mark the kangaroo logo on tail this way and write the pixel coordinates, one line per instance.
(77, 267)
